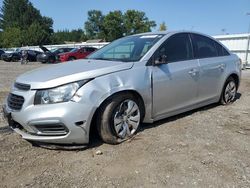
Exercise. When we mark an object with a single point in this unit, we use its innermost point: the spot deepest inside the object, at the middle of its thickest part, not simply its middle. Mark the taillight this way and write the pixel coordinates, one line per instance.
(240, 63)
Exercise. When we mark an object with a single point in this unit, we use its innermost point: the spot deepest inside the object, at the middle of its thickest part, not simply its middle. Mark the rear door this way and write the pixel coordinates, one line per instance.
(212, 66)
(175, 83)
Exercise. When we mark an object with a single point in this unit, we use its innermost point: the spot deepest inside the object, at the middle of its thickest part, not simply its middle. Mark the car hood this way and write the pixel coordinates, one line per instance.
(59, 74)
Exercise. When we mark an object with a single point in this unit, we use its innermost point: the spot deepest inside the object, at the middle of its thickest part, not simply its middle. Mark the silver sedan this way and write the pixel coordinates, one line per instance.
(139, 78)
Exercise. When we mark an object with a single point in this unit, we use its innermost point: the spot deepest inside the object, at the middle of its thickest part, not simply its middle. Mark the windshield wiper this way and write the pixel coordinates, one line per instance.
(105, 59)
(113, 59)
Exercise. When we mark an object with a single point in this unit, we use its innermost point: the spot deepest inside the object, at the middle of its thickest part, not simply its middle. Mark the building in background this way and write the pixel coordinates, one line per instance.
(238, 44)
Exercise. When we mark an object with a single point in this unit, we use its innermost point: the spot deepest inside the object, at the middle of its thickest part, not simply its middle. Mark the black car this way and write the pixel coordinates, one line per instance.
(51, 56)
(17, 55)
(1, 52)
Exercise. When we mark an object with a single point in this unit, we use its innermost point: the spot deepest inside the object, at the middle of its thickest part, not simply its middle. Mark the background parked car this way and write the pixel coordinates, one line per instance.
(1, 52)
(16, 56)
(76, 54)
(51, 56)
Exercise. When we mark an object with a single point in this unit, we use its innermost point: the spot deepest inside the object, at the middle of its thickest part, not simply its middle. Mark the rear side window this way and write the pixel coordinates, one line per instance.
(82, 50)
(221, 50)
(66, 49)
(61, 50)
(204, 47)
(177, 48)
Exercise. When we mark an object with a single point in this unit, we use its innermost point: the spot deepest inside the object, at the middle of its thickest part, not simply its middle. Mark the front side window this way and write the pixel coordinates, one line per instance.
(82, 50)
(66, 49)
(204, 47)
(90, 49)
(127, 49)
(177, 48)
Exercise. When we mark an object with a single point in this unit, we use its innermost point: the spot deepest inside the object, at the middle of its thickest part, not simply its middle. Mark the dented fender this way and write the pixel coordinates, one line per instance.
(99, 89)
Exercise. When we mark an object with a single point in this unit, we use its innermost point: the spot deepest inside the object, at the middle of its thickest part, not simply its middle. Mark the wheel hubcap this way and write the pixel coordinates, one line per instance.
(230, 92)
(126, 119)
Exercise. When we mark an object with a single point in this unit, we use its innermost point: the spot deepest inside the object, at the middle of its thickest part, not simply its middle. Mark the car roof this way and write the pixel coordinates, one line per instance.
(172, 32)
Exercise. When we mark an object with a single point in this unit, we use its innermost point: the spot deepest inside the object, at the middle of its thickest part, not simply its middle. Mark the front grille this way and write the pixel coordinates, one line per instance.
(20, 86)
(5, 55)
(51, 129)
(15, 102)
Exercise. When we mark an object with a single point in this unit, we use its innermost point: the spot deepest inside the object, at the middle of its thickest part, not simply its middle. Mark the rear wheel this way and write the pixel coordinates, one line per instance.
(229, 91)
(119, 118)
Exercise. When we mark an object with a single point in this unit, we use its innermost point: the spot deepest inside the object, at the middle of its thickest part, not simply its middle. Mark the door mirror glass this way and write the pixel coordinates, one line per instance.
(162, 59)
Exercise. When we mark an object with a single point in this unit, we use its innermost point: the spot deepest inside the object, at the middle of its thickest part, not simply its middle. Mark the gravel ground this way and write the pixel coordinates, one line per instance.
(208, 147)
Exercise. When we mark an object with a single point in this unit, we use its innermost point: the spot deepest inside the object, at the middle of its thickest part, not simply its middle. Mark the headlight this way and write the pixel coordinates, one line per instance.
(59, 94)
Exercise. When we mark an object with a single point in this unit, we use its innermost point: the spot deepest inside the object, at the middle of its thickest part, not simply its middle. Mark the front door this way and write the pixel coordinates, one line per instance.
(175, 82)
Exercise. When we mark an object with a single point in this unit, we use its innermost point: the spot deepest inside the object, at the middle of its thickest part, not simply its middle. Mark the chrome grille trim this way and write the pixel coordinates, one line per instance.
(15, 102)
(57, 129)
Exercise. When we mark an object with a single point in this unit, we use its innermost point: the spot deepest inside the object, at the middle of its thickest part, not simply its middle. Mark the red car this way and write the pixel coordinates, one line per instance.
(76, 54)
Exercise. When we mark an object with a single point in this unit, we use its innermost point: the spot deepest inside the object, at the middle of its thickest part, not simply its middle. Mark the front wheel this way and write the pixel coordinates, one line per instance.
(51, 60)
(119, 118)
(72, 58)
(229, 92)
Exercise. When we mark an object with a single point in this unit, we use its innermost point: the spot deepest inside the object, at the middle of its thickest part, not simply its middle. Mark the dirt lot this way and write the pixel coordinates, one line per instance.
(208, 147)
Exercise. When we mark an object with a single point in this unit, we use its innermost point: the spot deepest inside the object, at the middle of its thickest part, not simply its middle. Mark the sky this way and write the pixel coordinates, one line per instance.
(212, 17)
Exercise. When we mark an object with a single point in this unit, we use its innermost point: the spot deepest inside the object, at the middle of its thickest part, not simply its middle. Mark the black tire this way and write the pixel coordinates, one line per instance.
(72, 58)
(14, 59)
(51, 60)
(224, 100)
(106, 116)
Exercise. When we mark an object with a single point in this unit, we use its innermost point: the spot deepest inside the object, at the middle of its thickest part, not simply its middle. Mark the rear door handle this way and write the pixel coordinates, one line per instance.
(222, 66)
(193, 72)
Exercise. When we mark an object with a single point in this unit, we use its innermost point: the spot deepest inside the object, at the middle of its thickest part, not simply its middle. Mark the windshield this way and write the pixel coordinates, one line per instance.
(126, 49)
(74, 50)
(53, 50)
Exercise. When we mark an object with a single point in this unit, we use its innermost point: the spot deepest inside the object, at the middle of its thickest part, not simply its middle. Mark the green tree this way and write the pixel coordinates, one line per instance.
(163, 27)
(94, 24)
(1, 39)
(12, 37)
(36, 34)
(113, 25)
(137, 22)
(22, 16)
(116, 24)
(76, 35)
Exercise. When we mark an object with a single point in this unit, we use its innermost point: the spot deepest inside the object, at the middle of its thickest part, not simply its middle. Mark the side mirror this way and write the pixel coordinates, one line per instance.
(162, 59)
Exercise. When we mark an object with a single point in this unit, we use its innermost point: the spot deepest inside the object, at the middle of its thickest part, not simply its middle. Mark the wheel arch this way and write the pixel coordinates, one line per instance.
(235, 77)
(71, 57)
(136, 94)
